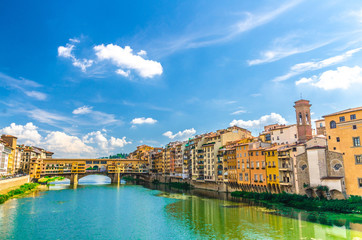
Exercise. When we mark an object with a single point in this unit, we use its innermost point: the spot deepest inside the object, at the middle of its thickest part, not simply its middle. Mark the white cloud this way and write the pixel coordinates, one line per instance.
(67, 52)
(118, 142)
(284, 47)
(97, 116)
(142, 53)
(125, 59)
(143, 120)
(341, 78)
(311, 66)
(123, 73)
(238, 112)
(101, 141)
(23, 85)
(82, 110)
(228, 32)
(184, 135)
(256, 94)
(35, 94)
(28, 133)
(258, 124)
(93, 144)
(64, 145)
(303, 81)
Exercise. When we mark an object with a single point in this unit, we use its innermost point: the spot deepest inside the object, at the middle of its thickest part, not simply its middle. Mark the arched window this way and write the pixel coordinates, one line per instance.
(306, 118)
(300, 118)
(333, 124)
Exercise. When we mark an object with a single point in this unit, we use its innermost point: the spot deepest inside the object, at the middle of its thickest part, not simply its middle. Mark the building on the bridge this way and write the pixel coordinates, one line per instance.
(40, 167)
(344, 134)
(30, 152)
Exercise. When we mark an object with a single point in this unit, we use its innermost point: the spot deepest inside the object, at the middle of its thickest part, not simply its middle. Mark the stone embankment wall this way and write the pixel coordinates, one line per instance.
(13, 182)
(211, 186)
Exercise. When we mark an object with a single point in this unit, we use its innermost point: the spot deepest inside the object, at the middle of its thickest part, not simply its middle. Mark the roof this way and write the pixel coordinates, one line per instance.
(11, 136)
(344, 111)
(319, 120)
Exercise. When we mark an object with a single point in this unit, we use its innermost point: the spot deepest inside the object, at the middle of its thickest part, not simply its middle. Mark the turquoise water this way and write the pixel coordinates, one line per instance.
(106, 211)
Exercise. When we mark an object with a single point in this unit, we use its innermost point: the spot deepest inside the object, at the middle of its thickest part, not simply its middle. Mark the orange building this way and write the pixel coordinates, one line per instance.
(258, 166)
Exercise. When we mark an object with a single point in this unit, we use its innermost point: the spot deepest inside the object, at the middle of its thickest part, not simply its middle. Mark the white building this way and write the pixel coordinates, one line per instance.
(284, 134)
(4, 156)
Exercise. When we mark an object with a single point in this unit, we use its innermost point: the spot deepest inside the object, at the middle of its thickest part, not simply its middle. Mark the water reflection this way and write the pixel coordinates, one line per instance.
(242, 218)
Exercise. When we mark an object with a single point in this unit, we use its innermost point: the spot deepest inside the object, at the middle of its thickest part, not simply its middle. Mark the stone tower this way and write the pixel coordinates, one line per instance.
(304, 126)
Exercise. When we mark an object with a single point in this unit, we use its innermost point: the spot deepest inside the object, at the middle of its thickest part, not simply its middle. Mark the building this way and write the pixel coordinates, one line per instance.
(284, 134)
(304, 125)
(320, 171)
(320, 127)
(258, 166)
(5, 151)
(11, 142)
(344, 133)
(272, 168)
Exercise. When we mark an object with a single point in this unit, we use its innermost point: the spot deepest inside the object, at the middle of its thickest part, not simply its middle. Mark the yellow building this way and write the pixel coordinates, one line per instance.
(344, 133)
(272, 170)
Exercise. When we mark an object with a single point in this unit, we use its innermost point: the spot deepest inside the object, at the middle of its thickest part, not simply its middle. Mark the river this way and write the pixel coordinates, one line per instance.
(99, 210)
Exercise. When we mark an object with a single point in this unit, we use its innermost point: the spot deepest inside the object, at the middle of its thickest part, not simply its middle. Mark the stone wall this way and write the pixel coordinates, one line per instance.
(13, 182)
(302, 172)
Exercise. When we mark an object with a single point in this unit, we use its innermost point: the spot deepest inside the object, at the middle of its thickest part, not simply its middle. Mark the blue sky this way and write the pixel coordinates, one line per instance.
(89, 78)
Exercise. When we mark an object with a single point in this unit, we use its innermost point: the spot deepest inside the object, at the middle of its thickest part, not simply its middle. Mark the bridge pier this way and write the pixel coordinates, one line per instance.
(115, 178)
(74, 179)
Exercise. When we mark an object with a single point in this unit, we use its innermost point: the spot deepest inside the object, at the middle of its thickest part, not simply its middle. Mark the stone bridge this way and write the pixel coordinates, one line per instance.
(75, 169)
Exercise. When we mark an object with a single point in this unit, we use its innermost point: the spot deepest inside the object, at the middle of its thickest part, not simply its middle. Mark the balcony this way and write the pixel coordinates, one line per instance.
(282, 183)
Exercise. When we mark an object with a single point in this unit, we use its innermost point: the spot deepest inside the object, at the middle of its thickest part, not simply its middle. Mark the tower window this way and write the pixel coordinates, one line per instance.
(300, 118)
(342, 119)
(354, 126)
(338, 140)
(306, 118)
(353, 116)
(332, 124)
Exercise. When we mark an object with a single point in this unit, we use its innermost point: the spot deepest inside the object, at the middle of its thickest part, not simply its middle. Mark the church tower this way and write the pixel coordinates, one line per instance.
(304, 123)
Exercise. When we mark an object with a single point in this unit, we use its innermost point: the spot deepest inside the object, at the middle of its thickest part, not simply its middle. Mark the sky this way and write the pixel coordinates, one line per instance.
(94, 78)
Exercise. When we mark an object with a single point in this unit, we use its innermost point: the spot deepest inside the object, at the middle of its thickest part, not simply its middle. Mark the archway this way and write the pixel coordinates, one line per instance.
(94, 179)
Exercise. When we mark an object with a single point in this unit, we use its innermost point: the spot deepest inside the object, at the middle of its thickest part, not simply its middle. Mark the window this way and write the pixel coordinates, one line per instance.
(300, 118)
(261, 177)
(275, 177)
(354, 126)
(353, 116)
(342, 119)
(306, 118)
(273, 164)
(256, 153)
(338, 140)
(356, 142)
(321, 125)
(281, 131)
(103, 162)
(257, 164)
(332, 124)
(240, 177)
(360, 182)
(246, 177)
(337, 166)
(358, 159)
(255, 177)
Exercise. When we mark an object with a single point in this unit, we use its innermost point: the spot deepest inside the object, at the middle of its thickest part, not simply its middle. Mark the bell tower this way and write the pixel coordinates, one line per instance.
(304, 126)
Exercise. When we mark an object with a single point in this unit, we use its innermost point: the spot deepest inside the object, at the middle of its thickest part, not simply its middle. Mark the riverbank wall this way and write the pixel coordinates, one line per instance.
(211, 186)
(13, 182)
